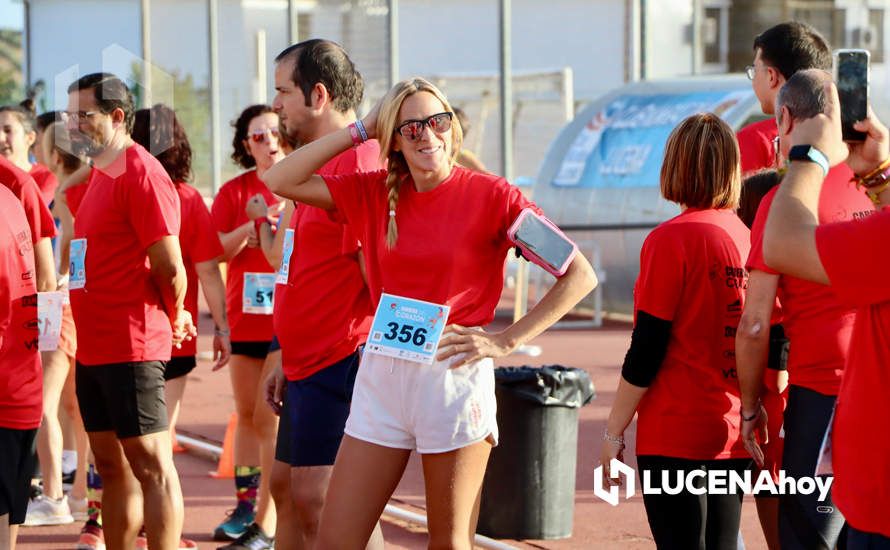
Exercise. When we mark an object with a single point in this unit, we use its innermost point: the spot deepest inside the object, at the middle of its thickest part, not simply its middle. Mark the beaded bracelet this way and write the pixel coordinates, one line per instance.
(617, 439)
(876, 177)
(361, 129)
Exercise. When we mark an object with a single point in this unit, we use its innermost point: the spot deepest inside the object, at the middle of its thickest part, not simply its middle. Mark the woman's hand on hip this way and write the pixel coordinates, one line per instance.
(472, 343)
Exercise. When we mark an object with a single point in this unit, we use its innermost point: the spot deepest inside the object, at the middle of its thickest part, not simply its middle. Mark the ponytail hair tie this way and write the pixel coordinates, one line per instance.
(392, 213)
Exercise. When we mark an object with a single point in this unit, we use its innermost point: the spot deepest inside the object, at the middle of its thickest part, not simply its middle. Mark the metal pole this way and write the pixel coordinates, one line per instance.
(261, 75)
(213, 86)
(393, 24)
(293, 22)
(145, 6)
(506, 91)
(26, 8)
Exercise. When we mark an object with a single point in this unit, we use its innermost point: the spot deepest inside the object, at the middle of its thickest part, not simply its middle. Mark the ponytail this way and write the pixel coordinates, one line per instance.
(393, 181)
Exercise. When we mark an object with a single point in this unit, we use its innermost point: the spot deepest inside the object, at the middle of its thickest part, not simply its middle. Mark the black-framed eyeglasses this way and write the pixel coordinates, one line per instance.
(413, 129)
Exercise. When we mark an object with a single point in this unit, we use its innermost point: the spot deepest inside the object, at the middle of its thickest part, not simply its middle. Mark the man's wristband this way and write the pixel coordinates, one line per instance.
(808, 153)
(222, 333)
(754, 416)
(876, 178)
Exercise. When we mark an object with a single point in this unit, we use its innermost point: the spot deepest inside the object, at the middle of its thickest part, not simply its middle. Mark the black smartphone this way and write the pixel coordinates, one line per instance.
(851, 76)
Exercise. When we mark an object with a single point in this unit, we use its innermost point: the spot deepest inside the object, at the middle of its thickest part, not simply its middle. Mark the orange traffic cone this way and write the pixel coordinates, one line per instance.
(226, 467)
(177, 448)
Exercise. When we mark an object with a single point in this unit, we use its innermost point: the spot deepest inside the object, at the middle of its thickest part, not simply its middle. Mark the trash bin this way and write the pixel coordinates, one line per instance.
(529, 486)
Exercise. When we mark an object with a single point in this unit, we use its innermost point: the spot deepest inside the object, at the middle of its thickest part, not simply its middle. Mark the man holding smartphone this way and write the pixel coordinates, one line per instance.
(844, 256)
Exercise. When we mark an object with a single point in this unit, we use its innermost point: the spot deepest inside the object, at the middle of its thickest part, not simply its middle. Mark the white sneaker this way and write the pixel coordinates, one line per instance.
(46, 511)
(79, 508)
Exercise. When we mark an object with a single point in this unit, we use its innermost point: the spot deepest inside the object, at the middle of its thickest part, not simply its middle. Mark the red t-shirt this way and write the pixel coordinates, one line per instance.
(74, 195)
(228, 213)
(40, 219)
(119, 311)
(199, 243)
(816, 323)
(324, 275)
(861, 437)
(46, 181)
(756, 145)
(692, 274)
(21, 378)
(452, 242)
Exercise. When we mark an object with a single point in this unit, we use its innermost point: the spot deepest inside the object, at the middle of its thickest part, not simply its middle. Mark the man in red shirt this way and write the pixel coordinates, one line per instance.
(779, 52)
(818, 326)
(318, 92)
(127, 286)
(844, 256)
(21, 380)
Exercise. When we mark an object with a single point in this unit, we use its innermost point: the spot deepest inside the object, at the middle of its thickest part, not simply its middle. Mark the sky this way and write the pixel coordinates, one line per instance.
(11, 14)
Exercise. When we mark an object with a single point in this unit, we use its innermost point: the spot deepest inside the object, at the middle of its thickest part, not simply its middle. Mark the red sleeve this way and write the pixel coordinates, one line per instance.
(756, 149)
(40, 219)
(755, 256)
(660, 284)
(515, 203)
(352, 194)
(856, 268)
(153, 206)
(351, 244)
(224, 211)
(367, 157)
(203, 236)
(75, 195)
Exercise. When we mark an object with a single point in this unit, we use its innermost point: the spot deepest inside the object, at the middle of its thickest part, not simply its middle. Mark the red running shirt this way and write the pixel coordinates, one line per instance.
(692, 274)
(46, 181)
(817, 324)
(861, 438)
(21, 378)
(40, 219)
(324, 276)
(199, 243)
(756, 145)
(452, 242)
(119, 313)
(228, 214)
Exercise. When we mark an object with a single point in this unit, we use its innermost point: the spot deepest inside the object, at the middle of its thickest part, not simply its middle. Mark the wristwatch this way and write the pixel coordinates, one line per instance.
(809, 153)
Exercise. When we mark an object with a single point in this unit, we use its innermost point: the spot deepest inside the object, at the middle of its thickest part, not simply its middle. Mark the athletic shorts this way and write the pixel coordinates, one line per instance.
(68, 336)
(314, 414)
(254, 350)
(127, 398)
(179, 366)
(428, 408)
(18, 459)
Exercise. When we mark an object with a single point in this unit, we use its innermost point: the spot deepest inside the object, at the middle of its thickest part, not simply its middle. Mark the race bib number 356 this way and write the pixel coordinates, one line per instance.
(258, 291)
(407, 329)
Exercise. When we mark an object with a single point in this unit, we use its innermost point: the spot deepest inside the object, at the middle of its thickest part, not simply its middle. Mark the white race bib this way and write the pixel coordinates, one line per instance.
(78, 258)
(258, 291)
(49, 319)
(407, 329)
(287, 249)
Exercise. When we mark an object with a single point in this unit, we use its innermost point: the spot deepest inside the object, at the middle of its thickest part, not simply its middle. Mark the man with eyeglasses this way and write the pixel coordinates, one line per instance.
(127, 286)
(816, 324)
(322, 305)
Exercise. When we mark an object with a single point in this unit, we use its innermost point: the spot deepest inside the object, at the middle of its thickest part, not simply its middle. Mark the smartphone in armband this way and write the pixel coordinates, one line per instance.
(851, 68)
(541, 242)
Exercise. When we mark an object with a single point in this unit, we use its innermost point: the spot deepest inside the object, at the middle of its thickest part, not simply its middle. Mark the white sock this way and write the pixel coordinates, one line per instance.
(69, 461)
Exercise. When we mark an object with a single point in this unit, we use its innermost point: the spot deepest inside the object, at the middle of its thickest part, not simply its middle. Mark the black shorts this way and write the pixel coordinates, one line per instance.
(179, 366)
(18, 459)
(314, 415)
(274, 345)
(127, 398)
(254, 350)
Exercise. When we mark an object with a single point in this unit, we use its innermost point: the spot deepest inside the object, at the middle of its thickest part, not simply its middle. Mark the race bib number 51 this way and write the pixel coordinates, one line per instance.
(407, 329)
(258, 291)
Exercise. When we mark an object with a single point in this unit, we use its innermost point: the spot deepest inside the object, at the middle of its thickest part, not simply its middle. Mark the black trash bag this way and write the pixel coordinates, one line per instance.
(550, 385)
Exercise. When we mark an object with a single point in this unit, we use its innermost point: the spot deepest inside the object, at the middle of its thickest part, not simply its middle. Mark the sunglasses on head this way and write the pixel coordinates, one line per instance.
(413, 129)
(259, 136)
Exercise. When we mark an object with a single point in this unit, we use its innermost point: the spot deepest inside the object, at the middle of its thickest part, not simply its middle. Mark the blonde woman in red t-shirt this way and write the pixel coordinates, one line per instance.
(679, 373)
(437, 232)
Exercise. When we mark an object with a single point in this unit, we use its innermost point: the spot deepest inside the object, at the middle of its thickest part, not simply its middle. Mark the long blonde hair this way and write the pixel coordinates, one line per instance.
(396, 165)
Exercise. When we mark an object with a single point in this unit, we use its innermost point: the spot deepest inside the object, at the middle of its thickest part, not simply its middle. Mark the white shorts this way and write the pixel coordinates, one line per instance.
(427, 408)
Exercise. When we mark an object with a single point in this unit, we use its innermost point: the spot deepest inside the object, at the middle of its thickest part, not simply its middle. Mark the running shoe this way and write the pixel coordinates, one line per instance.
(91, 537)
(68, 480)
(253, 538)
(46, 511)
(235, 524)
(79, 508)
